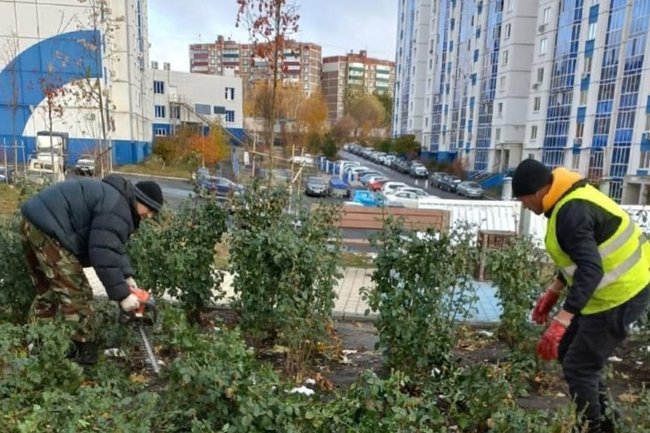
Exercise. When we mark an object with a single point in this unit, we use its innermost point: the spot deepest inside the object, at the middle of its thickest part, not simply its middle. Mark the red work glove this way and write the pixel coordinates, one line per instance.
(548, 344)
(544, 305)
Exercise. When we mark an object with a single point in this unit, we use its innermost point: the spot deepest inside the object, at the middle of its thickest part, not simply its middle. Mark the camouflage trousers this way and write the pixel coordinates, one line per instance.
(62, 289)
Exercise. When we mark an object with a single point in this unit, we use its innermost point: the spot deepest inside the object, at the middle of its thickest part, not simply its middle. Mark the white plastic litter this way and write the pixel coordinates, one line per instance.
(114, 352)
(614, 359)
(301, 390)
(310, 381)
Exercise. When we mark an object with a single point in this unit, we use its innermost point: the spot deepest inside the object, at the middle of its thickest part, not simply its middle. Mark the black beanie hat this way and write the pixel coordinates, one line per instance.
(149, 194)
(530, 176)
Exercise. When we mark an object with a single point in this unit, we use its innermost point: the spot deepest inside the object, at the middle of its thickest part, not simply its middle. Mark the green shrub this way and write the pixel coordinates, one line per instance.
(16, 288)
(175, 255)
(285, 271)
(517, 274)
(423, 287)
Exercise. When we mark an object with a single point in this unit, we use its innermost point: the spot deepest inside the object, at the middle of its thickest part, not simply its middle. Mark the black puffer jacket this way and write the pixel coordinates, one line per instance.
(93, 220)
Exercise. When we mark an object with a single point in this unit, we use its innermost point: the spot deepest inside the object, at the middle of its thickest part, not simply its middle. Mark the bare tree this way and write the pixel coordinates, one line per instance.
(269, 23)
(11, 50)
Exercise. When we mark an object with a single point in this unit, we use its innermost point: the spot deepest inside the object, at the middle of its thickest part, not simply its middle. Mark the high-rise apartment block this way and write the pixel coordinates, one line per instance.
(355, 72)
(563, 81)
(300, 65)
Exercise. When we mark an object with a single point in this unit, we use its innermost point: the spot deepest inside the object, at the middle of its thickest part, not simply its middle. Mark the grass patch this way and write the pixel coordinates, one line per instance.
(356, 260)
(8, 200)
(155, 168)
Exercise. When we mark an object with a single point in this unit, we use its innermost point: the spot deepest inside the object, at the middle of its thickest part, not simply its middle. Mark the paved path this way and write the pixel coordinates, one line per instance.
(350, 306)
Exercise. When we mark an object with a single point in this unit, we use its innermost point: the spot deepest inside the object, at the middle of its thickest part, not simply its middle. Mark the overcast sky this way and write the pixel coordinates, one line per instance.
(338, 26)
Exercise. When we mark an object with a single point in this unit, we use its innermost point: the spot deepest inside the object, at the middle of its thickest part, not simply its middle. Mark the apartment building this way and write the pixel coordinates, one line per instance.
(589, 107)
(300, 65)
(198, 100)
(58, 46)
(355, 72)
(463, 78)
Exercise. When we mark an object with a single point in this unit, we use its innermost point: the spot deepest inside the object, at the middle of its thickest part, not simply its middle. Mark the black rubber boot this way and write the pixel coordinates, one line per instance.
(86, 353)
(610, 416)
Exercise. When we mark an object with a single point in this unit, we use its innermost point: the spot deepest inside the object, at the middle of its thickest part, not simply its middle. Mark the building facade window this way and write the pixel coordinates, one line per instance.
(230, 94)
(547, 15)
(537, 104)
(160, 111)
(540, 75)
(506, 33)
(160, 132)
(159, 87)
(543, 46)
(505, 57)
(575, 161)
(533, 133)
(175, 112)
(230, 116)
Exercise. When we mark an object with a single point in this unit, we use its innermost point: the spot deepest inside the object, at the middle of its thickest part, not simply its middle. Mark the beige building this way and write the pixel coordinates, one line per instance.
(355, 71)
(301, 62)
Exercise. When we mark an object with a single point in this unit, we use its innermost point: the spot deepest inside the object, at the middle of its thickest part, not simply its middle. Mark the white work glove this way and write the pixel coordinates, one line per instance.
(130, 303)
(131, 283)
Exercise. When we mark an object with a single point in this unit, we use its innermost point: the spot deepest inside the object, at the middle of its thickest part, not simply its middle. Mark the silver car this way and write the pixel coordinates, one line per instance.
(469, 189)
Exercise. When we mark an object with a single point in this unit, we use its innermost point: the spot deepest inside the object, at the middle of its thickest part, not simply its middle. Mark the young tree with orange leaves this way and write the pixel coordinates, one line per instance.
(212, 148)
(269, 23)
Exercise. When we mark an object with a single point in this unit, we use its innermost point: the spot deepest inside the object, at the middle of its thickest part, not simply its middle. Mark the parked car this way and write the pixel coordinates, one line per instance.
(85, 165)
(449, 183)
(390, 187)
(377, 184)
(338, 188)
(365, 180)
(315, 187)
(402, 198)
(367, 198)
(435, 178)
(469, 189)
(419, 191)
(418, 170)
(218, 186)
(7, 175)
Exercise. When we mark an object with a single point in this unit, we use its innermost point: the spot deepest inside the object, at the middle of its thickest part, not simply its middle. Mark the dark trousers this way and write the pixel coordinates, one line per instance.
(588, 343)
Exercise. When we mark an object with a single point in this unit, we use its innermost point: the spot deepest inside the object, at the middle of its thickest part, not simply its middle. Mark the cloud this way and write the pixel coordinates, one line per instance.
(339, 26)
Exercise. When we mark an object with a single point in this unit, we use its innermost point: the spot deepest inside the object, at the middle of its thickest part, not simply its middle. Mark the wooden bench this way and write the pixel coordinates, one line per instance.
(371, 218)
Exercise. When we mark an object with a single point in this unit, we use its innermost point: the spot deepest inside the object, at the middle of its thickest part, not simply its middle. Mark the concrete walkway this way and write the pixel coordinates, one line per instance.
(350, 306)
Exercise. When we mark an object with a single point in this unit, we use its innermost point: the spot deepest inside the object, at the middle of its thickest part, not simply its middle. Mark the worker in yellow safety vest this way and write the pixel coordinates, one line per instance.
(603, 258)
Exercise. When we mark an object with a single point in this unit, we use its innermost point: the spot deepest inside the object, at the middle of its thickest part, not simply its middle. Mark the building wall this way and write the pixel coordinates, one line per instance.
(302, 61)
(355, 72)
(457, 76)
(595, 98)
(41, 53)
(185, 97)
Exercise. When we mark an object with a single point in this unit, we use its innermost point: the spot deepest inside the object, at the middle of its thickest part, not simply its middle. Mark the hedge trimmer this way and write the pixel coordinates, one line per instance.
(144, 316)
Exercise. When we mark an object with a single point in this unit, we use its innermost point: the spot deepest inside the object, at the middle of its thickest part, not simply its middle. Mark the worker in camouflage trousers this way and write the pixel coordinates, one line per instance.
(83, 223)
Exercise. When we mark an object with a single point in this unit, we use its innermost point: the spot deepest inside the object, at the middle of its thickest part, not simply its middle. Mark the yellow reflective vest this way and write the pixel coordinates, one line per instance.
(625, 255)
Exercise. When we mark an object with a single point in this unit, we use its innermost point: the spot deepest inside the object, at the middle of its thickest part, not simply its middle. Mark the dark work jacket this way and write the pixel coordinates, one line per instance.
(582, 226)
(93, 220)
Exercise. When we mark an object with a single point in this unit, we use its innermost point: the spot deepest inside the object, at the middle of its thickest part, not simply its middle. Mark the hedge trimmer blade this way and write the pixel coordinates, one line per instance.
(146, 348)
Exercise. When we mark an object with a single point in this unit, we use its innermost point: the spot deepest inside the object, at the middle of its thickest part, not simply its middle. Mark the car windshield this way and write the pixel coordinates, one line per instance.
(473, 185)
(316, 181)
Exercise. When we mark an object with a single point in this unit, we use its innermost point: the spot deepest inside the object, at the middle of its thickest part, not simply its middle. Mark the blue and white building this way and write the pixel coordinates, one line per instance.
(185, 98)
(589, 107)
(54, 45)
(563, 81)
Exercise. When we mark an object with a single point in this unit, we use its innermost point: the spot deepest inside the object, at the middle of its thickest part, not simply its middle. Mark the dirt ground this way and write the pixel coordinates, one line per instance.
(627, 372)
